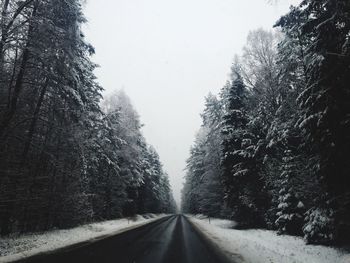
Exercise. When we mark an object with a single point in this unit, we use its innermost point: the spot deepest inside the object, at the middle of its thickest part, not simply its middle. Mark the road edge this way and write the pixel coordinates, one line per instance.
(27, 255)
(225, 256)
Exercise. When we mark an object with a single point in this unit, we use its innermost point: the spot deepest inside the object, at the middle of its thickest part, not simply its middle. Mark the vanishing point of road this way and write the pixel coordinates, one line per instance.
(171, 239)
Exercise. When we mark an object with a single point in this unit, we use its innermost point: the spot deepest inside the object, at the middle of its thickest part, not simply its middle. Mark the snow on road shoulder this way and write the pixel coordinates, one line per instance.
(15, 248)
(264, 246)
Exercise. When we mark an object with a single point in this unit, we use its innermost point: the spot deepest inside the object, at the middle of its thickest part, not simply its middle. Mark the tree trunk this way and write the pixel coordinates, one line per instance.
(9, 114)
(34, 121)
(3, 32)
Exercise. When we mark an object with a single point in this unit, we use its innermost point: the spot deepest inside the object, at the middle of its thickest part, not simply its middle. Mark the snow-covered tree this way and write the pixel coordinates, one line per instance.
(63, 159)
(290, 208)
(324, 105)
(241, 178)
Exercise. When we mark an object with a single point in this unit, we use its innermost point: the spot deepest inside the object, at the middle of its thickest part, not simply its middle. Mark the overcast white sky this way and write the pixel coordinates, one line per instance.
(167, 55)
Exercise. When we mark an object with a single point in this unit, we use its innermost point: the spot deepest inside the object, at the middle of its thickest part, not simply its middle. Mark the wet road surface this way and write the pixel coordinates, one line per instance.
(170, 240)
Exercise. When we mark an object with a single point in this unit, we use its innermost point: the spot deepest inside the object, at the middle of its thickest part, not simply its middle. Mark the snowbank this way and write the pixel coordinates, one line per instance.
(15, 248)
(263, 246)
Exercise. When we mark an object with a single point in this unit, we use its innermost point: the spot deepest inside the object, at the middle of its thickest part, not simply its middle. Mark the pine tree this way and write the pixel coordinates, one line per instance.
(211, 194)
(63, 160)
(194, 175)
(290, 208)
(325, 107)
(238, 170)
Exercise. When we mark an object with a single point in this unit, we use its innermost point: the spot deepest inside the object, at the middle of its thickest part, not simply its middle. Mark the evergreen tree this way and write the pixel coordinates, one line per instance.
(211, 194)
(325, 107)
(194, 175)
(290, 208)
(63, 160)
(238, 170)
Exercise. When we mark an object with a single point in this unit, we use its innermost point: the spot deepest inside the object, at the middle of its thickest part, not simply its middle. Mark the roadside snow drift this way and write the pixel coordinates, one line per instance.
(264, 246)
(19, 247)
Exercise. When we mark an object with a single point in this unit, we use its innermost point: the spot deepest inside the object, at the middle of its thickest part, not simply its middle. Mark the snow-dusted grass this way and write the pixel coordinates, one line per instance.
(18, 247)
(264, 246)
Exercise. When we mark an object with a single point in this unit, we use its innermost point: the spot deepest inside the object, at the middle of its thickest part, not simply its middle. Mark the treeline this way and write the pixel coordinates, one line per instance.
(274, 148)
(66, 157)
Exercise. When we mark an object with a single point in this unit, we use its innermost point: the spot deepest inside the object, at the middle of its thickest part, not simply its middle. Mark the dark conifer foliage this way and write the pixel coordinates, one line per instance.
(237, 168)
(285, 129)
(203, 191)
(64, 160)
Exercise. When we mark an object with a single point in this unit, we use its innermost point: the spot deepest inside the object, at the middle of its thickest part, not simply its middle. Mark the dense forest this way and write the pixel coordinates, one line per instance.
(274, 147)
(67, 156)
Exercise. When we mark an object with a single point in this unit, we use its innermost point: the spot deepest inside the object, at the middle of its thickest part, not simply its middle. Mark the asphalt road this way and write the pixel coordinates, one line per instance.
(168, 240)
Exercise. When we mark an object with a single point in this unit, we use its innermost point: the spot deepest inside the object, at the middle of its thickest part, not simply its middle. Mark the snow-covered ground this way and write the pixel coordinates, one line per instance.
(18, 247)
(263, 246)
